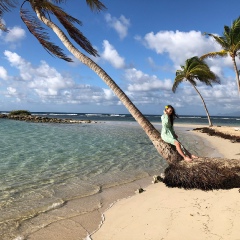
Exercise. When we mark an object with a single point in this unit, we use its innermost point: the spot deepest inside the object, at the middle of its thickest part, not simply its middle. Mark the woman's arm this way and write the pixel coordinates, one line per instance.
(164, 119)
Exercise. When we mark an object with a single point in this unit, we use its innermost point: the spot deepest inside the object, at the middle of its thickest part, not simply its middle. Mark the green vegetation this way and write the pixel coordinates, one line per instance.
(19, 112)
(195, 70)
(230, 44)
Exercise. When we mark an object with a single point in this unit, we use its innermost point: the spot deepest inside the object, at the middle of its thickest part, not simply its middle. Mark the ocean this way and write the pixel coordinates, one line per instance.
(45, 165)
(201, 120)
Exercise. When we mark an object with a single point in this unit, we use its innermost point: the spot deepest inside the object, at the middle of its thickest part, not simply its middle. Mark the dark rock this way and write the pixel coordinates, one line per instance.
(38, 119)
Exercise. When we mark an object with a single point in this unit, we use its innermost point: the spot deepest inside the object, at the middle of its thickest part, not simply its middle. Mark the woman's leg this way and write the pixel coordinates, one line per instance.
(190, 155)
(180, 151)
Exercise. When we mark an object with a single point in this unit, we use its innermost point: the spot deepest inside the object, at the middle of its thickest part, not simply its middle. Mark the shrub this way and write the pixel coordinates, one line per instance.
(19, 112)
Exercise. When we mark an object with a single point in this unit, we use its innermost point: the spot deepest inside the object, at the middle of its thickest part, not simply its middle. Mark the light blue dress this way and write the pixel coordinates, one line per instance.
(167, 132)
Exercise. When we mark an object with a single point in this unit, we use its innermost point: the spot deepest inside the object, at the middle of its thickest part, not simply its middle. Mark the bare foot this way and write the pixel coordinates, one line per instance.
(188, 159)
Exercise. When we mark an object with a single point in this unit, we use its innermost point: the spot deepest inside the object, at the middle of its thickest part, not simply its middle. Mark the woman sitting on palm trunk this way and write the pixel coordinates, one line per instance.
(168, 134)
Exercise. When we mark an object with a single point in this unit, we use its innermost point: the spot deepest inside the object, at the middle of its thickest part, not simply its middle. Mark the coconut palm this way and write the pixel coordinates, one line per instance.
(230, 43)
(45, 11)
(195, 69)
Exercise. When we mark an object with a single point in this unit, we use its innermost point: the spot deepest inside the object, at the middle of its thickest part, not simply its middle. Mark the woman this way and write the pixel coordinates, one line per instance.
(168, 134)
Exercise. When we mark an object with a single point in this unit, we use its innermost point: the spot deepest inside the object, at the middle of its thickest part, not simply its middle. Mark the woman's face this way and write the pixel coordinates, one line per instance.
(168, 111)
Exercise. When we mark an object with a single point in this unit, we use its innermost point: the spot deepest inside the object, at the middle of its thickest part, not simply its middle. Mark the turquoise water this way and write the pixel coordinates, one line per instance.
(44, 165)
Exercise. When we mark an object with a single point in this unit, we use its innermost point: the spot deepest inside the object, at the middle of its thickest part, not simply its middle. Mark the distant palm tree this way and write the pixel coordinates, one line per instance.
(46, 11)
(195, 69)
(230, 43)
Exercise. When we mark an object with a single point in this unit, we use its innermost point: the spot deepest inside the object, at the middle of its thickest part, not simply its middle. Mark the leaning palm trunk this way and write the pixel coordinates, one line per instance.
(168, 152)
(237, 74)
(204, 104)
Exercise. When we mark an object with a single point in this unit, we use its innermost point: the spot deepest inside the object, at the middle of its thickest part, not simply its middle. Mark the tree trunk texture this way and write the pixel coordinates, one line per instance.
(205, 173)
(237, 74)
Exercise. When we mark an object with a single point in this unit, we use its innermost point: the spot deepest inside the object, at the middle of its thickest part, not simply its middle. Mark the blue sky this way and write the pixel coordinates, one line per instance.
(141, 45)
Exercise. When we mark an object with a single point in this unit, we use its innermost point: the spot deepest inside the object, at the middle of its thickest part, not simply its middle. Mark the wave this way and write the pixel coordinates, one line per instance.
(94, 114)
(117, 115)
(55, 205)
(37, 114)
(192, 117)
(64, 114)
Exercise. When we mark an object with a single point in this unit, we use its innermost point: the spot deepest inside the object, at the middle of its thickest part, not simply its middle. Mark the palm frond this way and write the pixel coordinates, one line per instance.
(175, 85)
(192, 81)
(195, 69)
(220, 40)
(7, 5)
(232, 34)
(236, 47)
(95, 5)
(236, 25)
(49, 7)
(35, 28)
(67, 21)
(180, 72)
(180, 76)
(226, 30)
(73, 32)
(222, 53)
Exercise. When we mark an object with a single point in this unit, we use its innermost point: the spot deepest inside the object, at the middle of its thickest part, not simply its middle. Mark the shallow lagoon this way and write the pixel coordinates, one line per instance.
(43, 166)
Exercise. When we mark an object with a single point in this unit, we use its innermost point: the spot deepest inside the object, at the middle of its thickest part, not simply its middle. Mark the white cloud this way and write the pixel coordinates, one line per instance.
(109, 95)
(18, 62)
(121, 25)
(143, 82)
(14, 35)
(11, 90)
(145, 89)
(154, 85)
(179, 45)
(111, 55)
(44, 83)
(45, 80)
(3, 73)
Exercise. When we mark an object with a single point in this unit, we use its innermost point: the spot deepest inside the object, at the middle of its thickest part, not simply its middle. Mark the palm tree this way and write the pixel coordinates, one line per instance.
(195, 69)
(44, 9)
(230, 43)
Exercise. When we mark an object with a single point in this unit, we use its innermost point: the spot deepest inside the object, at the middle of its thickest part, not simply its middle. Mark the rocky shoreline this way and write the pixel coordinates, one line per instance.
(38, 119)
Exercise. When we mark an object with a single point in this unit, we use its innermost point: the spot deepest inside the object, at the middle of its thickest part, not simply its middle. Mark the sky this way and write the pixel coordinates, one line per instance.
(140, 44)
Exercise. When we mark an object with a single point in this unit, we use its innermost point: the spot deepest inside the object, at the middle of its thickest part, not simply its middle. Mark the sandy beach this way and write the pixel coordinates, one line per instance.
(175, 214)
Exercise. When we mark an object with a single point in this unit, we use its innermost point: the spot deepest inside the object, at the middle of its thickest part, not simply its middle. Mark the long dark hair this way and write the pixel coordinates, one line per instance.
(173, 115)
